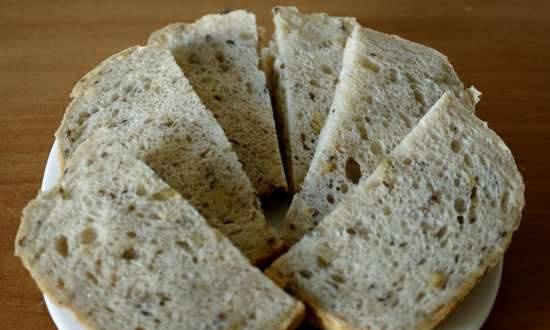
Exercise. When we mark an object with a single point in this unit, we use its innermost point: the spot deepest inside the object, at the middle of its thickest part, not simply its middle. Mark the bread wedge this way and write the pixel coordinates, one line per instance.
(219, 55)
(141, 99)
(411, 241)
(386, 85)
(121, 249)
(304, 60)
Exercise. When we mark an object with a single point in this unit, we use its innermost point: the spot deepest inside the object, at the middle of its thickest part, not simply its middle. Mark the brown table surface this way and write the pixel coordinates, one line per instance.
(501, 46)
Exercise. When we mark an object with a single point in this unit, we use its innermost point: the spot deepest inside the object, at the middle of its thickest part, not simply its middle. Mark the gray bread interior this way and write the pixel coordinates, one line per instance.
(386, 85)
(122, 250)
(141, 99)
(304, 58)
(412, 240)
(218, 54)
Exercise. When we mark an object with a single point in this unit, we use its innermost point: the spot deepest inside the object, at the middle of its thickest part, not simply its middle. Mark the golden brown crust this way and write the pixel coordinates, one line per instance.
(296, 317)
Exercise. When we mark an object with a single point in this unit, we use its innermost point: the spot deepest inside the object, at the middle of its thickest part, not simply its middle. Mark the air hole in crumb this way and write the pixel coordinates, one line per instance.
(219, 57)
(322, 263)
(62, 246)
(326, 69)
(420, 296)
(314, 83)
(311, 96)
(129, 254)
(351, 231)
(60, 283)
(407, 161)
(88, 236)
(455, 146)
(305, 273)
(353, 170)
(387, 210)
(460, 219)
(441, 232)
(217, 97)
(460, 205)
(330, 198)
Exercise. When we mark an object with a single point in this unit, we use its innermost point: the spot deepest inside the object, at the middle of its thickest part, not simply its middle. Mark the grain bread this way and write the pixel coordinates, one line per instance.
(123, 250)
(218, 54)
(140, 98)
(412, 240)
(386, 85)
(306, 55)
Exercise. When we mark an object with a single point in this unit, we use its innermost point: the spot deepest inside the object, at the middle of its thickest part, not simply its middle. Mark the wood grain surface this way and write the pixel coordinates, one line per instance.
(501, 46)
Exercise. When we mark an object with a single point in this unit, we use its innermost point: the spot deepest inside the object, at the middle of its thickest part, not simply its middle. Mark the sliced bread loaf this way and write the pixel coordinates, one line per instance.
(218, 54)
(386, 85)
(306, 56)
(140, 98)
(122, 250)
(412, 240)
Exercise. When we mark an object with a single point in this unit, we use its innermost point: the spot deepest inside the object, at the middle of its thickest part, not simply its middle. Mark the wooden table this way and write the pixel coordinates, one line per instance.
(501, 46)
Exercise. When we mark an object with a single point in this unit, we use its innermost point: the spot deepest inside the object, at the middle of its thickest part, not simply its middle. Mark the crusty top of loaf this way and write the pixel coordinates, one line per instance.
(141, 99)
(218, 54)
(122, 250)
(411, 241)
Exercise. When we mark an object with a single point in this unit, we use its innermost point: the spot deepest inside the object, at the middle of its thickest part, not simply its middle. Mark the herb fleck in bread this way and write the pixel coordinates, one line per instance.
(141, 99)
(122, 250)
(306, 54)
(386, 85)
(218, 54)
(412, 240)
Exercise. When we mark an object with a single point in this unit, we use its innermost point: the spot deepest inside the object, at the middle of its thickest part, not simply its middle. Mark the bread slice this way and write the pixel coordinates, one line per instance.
(218, 54)
(386, 85)
(123, 250)
(306, 56)
(414, 238)
(140, 98)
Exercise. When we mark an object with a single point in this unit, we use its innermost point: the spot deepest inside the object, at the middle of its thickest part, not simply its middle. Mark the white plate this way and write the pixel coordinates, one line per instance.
(470, 315)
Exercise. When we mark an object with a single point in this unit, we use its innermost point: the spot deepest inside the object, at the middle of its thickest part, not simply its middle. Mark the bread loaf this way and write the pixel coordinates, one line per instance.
(305, 57)
(218, 54)
(121, 249)
(386, 85)
(140, 98)
(414, 238)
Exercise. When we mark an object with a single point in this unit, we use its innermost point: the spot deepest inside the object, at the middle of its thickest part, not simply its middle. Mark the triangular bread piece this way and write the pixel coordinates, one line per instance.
(121, 249)
(219, 55)
(386, 85)
(140, 98)
(304, 60)
(411, 241)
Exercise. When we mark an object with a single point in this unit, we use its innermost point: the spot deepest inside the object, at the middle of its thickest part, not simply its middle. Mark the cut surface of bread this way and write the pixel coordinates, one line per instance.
(218, 54)
(122, 250)
(306, 55)
(141, 99)
(414, 238)
(386, 85)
